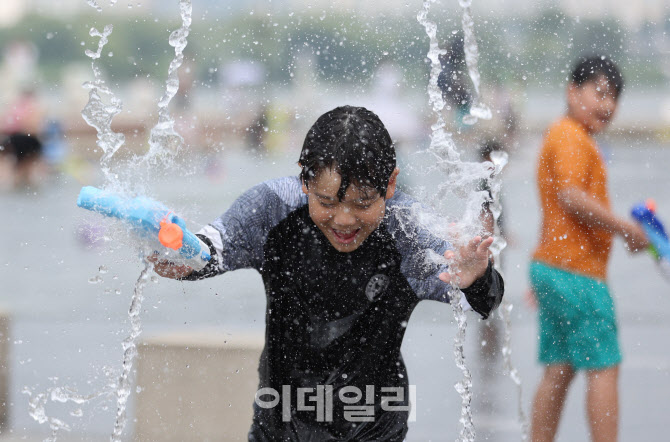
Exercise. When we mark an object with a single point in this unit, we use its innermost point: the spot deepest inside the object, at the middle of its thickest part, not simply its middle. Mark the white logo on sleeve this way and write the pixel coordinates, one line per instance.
(376, 286)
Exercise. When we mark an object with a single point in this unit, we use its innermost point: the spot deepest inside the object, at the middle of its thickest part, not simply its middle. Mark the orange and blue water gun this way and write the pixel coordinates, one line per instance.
(659, 245)
(150, 218)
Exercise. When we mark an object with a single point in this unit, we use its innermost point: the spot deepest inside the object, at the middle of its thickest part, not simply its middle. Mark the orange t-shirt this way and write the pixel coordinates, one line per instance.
(570, 159)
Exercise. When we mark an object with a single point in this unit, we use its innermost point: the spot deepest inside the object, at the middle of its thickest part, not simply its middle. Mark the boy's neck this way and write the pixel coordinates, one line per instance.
(571, 115)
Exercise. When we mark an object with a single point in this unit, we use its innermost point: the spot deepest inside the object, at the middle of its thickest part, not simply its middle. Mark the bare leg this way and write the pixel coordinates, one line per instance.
(602, 404)
(548, 403)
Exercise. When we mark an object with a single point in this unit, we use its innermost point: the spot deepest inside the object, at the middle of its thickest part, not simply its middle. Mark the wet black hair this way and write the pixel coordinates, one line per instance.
(354, 142)
(590, 68)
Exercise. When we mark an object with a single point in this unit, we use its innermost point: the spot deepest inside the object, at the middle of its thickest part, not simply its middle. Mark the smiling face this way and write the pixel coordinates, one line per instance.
(592, 104)
(346, 223)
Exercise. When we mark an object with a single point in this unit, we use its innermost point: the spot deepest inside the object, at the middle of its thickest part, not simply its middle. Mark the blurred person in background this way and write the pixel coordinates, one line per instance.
(453, 82)
(568, 272)
(55, 148)
(21, 125)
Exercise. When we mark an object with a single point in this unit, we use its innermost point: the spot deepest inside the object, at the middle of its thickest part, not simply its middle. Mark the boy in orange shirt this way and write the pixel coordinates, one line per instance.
(578, 329)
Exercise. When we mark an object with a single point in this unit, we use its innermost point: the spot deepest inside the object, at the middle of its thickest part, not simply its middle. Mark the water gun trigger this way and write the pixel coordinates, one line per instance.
(170, 234)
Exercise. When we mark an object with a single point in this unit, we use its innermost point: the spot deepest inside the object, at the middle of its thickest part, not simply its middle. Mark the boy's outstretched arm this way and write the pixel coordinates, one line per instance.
(482, 285)
(236, 239)
(591, 212)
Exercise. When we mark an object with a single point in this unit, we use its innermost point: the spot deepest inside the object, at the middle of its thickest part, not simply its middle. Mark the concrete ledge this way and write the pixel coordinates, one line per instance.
(196, 386)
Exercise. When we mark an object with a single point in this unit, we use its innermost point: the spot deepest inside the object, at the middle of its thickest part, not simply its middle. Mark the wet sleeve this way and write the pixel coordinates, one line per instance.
(237, 238)
(486, 293)
(421, 251)
(422, 261)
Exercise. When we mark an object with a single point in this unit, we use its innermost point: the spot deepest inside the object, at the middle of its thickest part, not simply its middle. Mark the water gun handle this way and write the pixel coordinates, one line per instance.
(659, 244)
(148, 218)
(645, 215)
(174, 235)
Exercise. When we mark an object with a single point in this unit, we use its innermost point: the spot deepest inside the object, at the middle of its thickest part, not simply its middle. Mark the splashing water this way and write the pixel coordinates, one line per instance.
(37, 406)
(505, 312)
(444, 150)
(129, 353)
(96, 113)
(499, 159)
(164, 144)
(463, 177)
(164, 141)
(93, 4)
(478, 110)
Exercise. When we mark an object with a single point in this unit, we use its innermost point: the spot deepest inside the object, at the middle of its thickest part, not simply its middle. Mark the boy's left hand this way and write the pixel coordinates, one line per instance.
(470, 261)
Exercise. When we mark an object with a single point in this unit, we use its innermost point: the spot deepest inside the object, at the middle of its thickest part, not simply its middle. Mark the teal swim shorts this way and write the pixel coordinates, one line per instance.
(577, 320)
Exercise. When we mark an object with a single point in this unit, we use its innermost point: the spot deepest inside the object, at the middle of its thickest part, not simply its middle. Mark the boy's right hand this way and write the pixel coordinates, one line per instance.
(168, 269)
(635, 238)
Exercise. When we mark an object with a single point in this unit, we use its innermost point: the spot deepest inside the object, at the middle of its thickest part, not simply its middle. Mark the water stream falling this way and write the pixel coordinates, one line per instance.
(129, 353)
(164, 141)
(462, 177)
(478, 110)
(164, 144)
(499, 159)
(99, 114)
(444, 150)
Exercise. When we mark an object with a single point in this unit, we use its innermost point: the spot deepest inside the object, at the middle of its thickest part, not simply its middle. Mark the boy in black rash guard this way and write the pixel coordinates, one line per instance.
(343, 264)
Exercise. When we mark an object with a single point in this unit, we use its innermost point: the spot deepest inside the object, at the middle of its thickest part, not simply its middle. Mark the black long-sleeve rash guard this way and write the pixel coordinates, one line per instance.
(334, 321)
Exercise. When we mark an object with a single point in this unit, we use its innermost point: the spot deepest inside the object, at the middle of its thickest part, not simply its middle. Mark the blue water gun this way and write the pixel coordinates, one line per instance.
(148, 218)
(659, 245)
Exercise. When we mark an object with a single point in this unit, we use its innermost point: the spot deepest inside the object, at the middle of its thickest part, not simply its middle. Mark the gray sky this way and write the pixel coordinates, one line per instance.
(632, 12)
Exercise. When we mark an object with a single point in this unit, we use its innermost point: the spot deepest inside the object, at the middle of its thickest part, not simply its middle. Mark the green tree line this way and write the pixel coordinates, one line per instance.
(535, 51)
